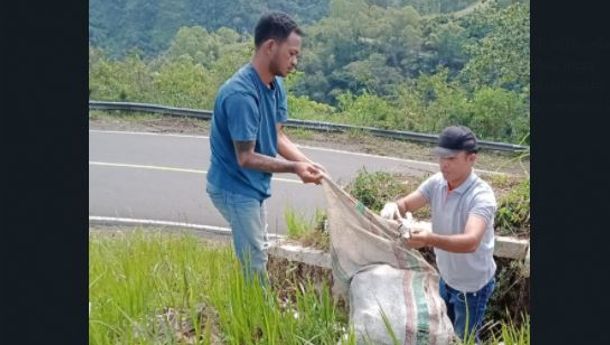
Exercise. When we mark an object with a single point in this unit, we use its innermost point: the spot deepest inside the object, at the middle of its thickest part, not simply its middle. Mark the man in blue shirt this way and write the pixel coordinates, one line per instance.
(247, 134)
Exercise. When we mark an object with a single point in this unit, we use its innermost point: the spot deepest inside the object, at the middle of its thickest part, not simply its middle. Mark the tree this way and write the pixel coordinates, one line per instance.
(184, 83)
(502, 58)
(126, 80)
(444, 45)
(499, 114)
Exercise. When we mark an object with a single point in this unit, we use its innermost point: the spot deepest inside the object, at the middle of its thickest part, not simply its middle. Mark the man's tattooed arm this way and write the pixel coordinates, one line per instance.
(247, 158)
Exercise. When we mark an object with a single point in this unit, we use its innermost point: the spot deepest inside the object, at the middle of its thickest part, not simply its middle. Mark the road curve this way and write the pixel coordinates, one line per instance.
(161, 177)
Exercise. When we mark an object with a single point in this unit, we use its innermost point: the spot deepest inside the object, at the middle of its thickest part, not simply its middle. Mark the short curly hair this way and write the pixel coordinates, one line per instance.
(275, 25)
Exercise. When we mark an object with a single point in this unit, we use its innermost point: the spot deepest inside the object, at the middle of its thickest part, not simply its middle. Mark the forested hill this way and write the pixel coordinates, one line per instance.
(364, 62)
(118, 26)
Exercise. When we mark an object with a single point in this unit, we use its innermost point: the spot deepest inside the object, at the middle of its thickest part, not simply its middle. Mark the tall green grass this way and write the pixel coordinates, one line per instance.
(138, 280)
(510, 334)
(309, 232)
(153, 288)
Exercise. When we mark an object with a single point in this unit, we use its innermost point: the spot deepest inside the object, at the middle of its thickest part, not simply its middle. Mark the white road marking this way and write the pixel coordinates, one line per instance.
(212, 228)
(322, 149)
(182, 170)
(134, 221)
(151, 167)
(150, 134)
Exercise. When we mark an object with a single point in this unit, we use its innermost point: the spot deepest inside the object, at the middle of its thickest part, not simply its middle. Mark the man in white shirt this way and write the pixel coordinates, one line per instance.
(463, 208)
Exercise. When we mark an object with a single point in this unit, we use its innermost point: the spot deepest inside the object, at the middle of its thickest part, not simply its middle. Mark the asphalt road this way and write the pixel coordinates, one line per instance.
(161, 177)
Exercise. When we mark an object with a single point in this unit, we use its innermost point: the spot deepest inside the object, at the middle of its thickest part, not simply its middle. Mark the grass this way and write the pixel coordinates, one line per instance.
(513, 214)
(299, 133)
(168, 289)
(155, 288)
(122, 115)
(308, 232)
(376, 188)
(514, 335)
(122, 120)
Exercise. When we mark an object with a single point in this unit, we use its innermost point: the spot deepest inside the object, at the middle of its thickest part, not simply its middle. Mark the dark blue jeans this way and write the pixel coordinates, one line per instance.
(466, 308)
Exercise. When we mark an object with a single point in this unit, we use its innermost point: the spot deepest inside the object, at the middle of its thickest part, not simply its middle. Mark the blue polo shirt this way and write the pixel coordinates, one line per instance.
(245, 109)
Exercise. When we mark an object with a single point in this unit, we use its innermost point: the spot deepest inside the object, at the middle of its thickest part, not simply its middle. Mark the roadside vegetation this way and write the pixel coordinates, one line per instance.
(155, 288)
(407, 65)
(512, 193)
(168, 289)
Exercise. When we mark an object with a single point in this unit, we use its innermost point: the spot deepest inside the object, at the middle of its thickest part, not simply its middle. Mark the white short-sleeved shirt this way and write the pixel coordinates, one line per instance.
(466, 272)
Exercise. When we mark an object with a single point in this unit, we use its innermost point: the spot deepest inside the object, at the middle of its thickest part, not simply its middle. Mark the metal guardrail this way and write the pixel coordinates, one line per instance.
(305, 124)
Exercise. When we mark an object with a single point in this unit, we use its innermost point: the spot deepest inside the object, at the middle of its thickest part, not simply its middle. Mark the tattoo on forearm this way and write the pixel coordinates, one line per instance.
(253, 160)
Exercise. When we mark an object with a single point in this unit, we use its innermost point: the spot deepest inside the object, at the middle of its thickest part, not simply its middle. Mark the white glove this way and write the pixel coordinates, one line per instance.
(407, 224)
(390, 211)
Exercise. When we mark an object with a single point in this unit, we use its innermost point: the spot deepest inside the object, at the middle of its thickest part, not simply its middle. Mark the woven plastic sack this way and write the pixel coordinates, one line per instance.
(380, 275)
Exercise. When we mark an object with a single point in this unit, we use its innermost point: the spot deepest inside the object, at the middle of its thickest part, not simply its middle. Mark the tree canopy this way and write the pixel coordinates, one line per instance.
(403, 64)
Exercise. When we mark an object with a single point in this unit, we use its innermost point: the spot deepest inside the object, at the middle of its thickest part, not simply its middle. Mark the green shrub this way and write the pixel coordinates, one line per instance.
(302, 107)
(374, 189)
(369, 110)
(513, 215)
(510, 297)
